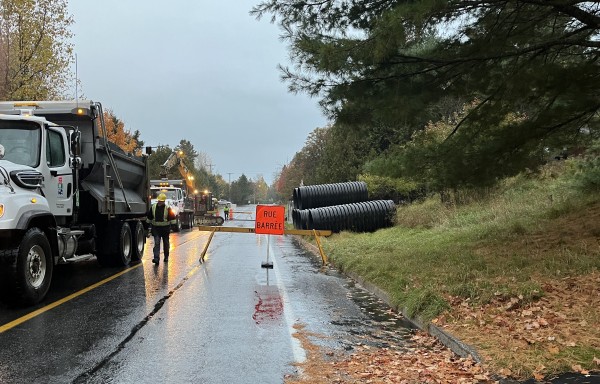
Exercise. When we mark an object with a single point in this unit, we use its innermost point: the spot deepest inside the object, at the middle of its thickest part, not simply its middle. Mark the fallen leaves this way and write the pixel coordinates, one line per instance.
(523, 337)
(554, 350)
(524, 342)
(425, 360)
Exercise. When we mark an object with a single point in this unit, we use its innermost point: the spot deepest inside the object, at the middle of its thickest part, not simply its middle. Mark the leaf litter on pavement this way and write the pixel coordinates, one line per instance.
(514, 338)
(423, 360)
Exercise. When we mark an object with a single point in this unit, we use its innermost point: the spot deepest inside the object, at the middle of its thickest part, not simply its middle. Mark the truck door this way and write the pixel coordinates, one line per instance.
(180, 201)
(58, 176)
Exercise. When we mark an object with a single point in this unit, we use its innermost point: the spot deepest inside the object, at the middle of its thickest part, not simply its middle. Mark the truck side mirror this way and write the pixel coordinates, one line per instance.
(75, 143)
(75, 148)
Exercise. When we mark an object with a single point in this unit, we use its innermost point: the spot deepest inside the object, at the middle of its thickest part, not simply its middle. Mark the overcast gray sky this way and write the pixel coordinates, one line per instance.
(200, 70)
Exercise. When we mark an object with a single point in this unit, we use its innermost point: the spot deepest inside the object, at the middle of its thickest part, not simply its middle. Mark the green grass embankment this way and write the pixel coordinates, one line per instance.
(488, 248)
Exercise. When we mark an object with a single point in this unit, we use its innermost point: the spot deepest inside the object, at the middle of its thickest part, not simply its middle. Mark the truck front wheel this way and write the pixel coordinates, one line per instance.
(30, 273)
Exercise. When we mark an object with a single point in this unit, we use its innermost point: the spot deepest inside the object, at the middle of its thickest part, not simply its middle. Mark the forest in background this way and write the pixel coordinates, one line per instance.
(434, 97)
(424, 97)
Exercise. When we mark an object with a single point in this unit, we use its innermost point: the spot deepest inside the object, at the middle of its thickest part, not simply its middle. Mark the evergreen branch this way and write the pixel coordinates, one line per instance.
(577, 13)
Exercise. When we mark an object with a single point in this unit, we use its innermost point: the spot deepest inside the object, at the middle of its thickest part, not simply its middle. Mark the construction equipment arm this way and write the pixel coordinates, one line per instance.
(175, 158)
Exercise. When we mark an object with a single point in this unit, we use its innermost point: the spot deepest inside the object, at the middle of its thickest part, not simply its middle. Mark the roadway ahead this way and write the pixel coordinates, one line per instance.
(226, 320)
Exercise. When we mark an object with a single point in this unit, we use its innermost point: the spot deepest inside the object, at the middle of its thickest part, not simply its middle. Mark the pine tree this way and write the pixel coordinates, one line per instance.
(532, 66)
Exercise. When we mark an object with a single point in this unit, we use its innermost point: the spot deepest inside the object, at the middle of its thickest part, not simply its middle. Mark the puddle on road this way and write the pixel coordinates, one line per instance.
(376, 326)
(372, 323)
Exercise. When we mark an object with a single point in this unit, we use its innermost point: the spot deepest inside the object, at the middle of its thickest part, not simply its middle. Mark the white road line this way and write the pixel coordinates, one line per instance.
(297, 350)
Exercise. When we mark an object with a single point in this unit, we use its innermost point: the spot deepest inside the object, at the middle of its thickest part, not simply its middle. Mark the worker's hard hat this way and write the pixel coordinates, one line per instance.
(161, 197)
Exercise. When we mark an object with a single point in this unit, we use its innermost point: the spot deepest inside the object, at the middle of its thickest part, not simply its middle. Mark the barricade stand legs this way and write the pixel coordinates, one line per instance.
(212, 233)
(323, 257)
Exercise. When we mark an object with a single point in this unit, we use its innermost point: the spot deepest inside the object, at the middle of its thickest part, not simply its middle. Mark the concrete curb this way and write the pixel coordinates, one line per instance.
(448, 340)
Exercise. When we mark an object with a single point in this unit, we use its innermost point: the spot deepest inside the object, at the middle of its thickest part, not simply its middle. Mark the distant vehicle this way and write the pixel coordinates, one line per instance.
(191, 206)
(176, 193)
(224, 202)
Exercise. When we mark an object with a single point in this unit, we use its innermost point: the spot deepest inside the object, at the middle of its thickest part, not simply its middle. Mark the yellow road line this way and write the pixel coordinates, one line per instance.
(48, 307)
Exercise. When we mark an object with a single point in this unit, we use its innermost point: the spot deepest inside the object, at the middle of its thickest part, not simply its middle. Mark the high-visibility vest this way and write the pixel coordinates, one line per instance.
(165, 220)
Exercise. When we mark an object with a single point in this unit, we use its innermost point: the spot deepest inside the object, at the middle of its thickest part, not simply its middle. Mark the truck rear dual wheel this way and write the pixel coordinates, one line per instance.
(114, 245)
(27, 278)
(177, 226)
(185, 221)
(188, 220)
(139, 240)
(123, 254)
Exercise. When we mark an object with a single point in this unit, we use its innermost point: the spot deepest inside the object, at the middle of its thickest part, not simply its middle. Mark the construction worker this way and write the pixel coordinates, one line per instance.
(226, 211)
(161, 218)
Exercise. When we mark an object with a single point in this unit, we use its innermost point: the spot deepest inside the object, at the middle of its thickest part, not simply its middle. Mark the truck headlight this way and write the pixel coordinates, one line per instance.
(1, 210)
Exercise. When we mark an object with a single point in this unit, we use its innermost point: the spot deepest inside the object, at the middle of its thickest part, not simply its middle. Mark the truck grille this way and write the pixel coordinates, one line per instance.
(27, 179)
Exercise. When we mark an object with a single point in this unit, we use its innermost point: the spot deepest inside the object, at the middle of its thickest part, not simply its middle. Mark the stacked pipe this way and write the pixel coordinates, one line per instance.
(324, 195)
(340, 207)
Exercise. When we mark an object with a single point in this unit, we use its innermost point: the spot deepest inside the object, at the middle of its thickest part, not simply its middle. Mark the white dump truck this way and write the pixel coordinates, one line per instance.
(66, 194)
(191, 206)
(177, 197)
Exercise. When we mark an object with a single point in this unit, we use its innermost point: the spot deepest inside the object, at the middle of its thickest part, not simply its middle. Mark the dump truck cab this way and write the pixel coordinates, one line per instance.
(66, 194)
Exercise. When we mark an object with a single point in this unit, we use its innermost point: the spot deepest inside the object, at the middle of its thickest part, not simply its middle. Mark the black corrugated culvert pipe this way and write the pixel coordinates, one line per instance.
(365, 216)
(300, 218)
(324, 195)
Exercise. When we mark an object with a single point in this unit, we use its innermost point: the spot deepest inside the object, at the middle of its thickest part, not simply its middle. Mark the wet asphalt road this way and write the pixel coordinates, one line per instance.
(226, 320)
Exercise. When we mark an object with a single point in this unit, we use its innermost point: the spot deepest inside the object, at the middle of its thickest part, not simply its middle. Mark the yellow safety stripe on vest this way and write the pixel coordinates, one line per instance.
(165, 217)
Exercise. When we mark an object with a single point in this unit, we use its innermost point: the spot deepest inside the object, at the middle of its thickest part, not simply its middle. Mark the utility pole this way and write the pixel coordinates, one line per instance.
(210, 167)
(229, 173)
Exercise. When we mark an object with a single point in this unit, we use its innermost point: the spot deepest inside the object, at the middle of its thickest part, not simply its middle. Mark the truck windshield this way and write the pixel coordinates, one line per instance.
(21, 141)
(171, 193)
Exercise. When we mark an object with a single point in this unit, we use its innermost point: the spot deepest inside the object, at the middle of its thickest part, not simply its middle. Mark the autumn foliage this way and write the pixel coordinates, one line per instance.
(116, 133)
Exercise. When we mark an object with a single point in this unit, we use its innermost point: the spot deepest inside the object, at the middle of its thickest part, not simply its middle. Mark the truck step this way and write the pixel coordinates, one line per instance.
(75, 258)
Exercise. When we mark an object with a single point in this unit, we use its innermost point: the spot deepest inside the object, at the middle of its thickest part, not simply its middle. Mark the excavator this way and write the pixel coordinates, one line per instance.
(195, 207)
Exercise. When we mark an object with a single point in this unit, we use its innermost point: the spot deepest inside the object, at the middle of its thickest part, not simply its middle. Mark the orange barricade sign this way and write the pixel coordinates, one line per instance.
(270, 219)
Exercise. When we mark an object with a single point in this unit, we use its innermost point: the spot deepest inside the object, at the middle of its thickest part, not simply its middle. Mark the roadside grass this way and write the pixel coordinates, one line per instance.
(538, 356)
(469, 250)
(529, 231)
